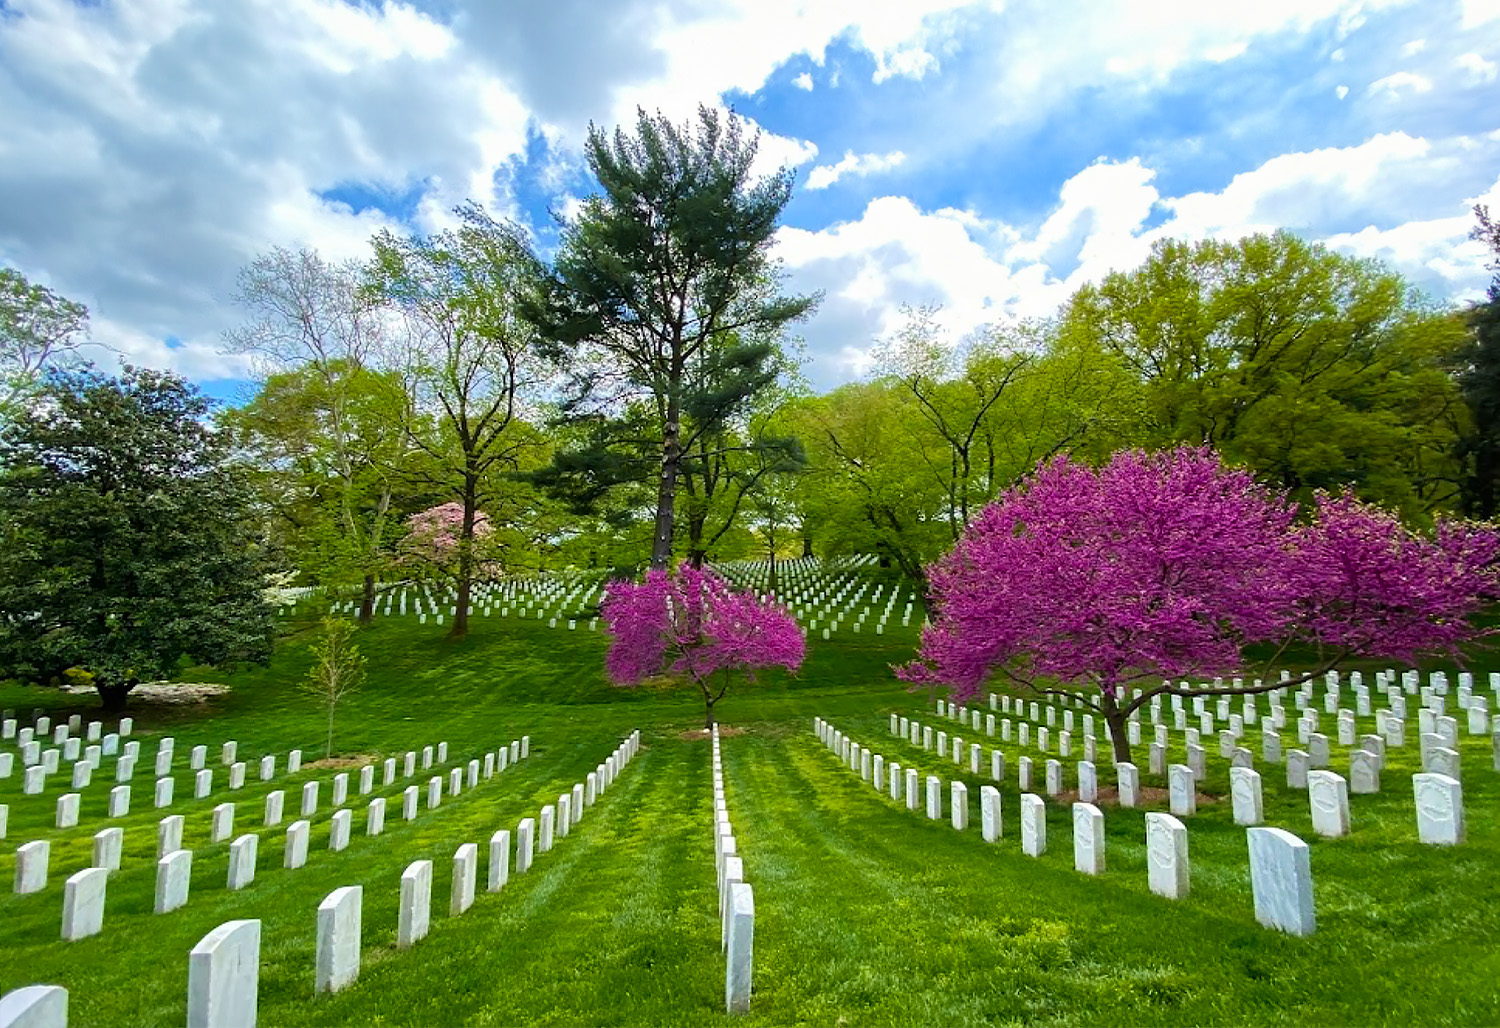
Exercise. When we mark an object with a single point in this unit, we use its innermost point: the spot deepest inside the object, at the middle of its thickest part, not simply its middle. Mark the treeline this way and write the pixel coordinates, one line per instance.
(456, 405)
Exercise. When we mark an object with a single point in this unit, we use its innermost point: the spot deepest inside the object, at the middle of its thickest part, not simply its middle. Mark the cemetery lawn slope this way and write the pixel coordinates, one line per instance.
(866, 913)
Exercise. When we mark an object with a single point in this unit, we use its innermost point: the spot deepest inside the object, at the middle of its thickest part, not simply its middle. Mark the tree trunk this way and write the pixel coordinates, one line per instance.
(666, 495)
(328, 749)
(112, 697)
(367, 601)
(708, 712)
(1119, 733)
(771, 539)
(806, 542)
(465, 560)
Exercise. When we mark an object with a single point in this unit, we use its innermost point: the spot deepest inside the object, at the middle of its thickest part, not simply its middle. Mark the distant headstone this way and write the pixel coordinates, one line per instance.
(741, 943)
(1033, 825)
(990, 824)
(524, 842)
(375, 816)
(169, 835)
(1182, 790)
(338, 829)
(958, 806)
(107, 846)
(1364, 772)
(1128, 781)
(242, 854)
(222, 822)
(1328, 795)
(1440, 809)
(296, 845)
(499, 870)
(1088, 839)
(274, 803)
(1246, 796)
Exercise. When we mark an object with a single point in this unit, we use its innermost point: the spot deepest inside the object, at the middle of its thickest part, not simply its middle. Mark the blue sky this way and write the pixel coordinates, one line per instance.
(989, 157)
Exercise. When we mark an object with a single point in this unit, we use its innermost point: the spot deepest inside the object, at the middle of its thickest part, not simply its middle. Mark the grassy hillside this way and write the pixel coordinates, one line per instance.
(866, 913)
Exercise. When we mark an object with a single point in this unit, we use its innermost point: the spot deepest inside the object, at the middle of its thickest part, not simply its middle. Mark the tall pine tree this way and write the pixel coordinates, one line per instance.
(662, 306)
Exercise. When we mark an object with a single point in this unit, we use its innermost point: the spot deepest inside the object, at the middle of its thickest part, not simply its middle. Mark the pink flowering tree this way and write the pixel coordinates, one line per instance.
(692, 623)
(435, 541)
(1096, 582)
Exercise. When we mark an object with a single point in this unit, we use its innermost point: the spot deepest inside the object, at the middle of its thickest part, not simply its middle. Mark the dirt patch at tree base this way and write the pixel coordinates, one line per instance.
(700, 734)
(340, 763)
(1149, 797)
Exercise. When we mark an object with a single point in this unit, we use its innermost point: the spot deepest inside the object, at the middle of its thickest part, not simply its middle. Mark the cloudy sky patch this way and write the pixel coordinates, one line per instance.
(988, 157)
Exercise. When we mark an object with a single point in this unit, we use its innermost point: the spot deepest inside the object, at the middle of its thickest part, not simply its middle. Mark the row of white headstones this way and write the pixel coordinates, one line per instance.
(224, 967)
(814, 594)
(1439, 805)
(84, 891)
(32, 858)
(89, 761)
(538, 597)
(1280, 864)
(736, 899)
(1438, 735)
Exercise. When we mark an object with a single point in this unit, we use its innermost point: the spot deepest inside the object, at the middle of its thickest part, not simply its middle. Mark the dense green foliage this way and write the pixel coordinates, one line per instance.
(128, 538)
(663, 306)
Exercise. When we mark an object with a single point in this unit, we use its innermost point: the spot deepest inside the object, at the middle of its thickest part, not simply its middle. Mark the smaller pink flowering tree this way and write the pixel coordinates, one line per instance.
(692, 623)
(434, 539)
(1162, 567)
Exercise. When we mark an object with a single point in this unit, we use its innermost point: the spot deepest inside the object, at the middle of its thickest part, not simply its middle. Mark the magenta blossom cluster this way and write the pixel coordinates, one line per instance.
(1170, 564)
(693, 623)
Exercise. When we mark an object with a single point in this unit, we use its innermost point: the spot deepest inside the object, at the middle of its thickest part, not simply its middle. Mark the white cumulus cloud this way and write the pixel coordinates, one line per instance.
(1392, 86)
(825, 175)
(1479, 69)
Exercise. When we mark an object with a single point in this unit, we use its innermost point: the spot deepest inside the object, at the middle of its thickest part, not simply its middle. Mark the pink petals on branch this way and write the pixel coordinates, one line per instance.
(694, 623)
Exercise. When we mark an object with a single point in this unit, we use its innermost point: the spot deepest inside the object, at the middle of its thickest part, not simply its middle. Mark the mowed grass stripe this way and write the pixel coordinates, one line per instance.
(911, 922)
(135, 971)
(617, 925)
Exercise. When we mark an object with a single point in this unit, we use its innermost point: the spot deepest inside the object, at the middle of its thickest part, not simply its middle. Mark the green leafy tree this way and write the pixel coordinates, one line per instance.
(324, 408)
(870, 486)
(38, 329)
(1314, 369)
(1477, 367)
(129, 539)
(329, 468)
(338, 669)
(468, 361)
(955, 391)
(663, 305)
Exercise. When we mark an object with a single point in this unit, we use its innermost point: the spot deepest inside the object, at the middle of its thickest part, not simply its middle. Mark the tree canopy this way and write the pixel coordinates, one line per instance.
(129, 537)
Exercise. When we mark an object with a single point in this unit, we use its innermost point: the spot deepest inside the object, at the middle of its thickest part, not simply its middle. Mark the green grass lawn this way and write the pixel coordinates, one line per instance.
(867, 914)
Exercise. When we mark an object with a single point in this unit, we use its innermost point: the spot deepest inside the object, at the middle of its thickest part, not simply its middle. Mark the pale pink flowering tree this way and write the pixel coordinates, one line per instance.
(1085, 582)
(434, 538)
(693, 623)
